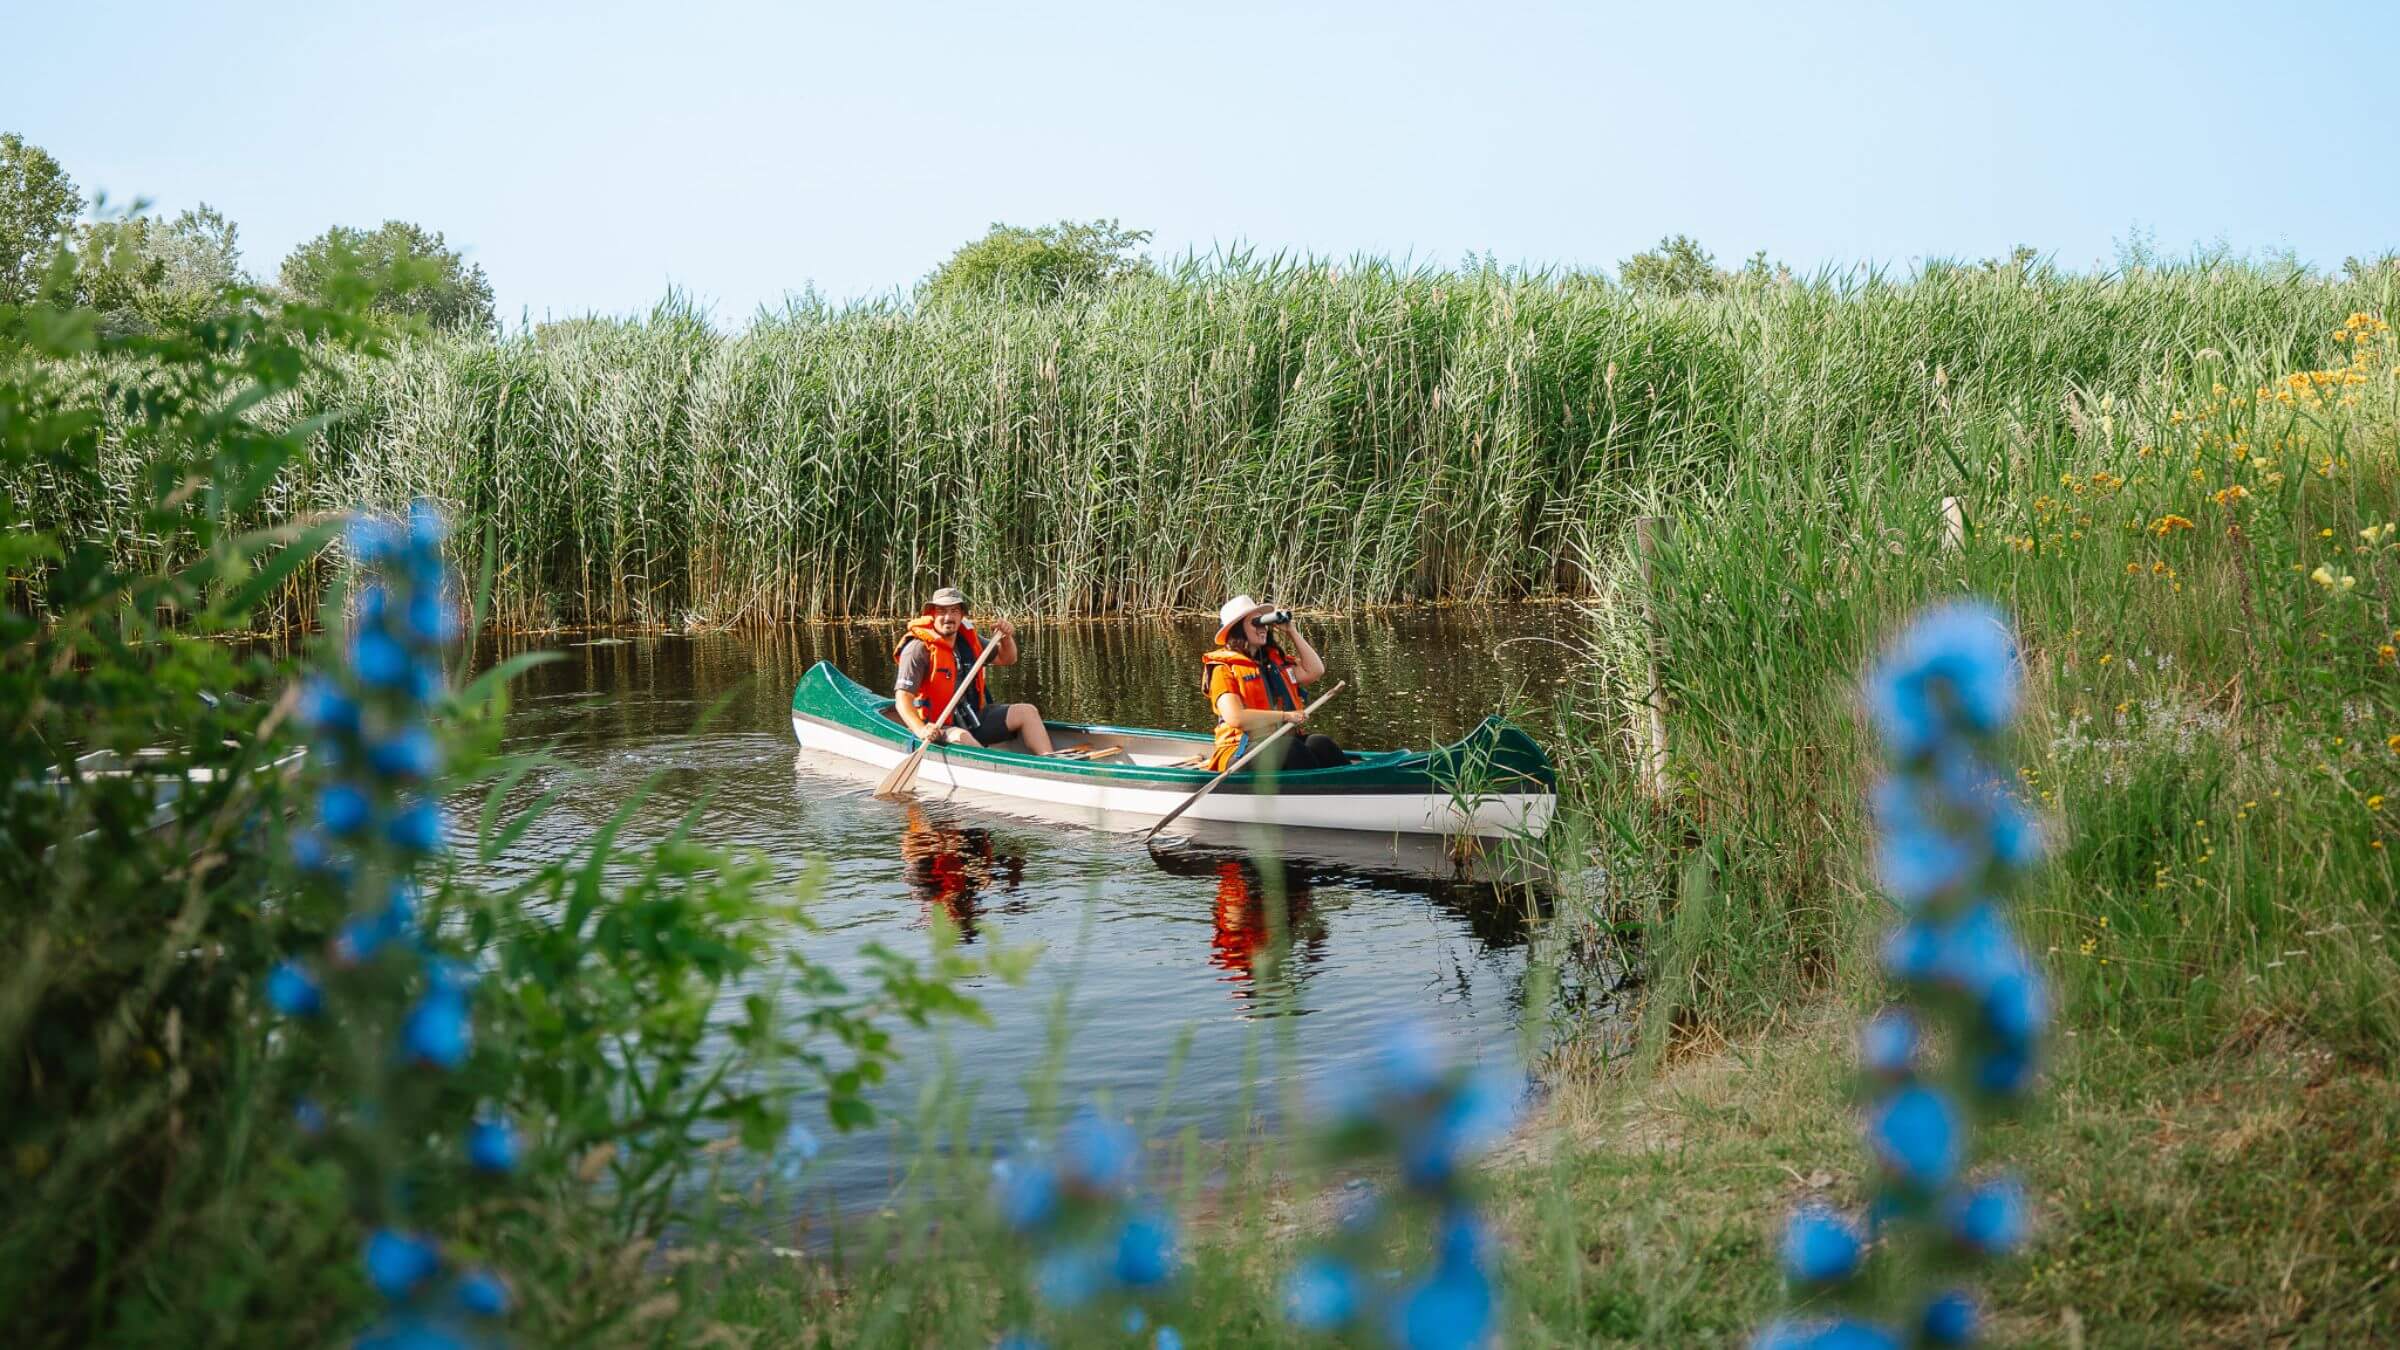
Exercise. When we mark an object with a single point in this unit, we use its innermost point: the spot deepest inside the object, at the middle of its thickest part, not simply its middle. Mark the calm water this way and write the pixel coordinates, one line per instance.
(1151, 947)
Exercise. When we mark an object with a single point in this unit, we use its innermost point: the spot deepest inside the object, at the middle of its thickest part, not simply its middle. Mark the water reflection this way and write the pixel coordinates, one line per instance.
(950, 865)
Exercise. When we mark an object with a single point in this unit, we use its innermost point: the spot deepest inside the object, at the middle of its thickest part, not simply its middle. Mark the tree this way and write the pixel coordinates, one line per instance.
(410, 272)
(1040, 264)
(1678, 266)
(38, 203)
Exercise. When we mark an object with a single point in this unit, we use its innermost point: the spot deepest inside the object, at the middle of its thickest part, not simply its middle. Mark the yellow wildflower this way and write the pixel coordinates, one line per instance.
(2165, 525)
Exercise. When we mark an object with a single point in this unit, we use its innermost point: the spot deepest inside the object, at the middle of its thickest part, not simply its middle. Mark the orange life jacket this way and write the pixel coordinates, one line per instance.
(1269, 687)
(941, 681)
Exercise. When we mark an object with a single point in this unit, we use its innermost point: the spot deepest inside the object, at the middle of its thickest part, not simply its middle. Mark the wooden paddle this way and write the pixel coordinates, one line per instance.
(904, 774)
(1236, 766)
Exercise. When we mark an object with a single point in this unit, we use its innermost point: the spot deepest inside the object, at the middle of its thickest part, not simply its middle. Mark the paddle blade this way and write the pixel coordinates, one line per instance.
(903, 775)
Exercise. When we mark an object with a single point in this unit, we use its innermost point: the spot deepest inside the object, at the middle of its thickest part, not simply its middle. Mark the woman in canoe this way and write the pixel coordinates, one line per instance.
(1254, 686)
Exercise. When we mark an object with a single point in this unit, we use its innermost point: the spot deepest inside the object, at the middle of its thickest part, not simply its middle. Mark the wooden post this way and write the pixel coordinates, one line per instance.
(1954, 523)
(1649, 532)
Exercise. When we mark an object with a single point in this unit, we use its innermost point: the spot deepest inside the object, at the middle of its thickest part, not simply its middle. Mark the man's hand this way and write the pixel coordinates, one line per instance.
(1003, 630)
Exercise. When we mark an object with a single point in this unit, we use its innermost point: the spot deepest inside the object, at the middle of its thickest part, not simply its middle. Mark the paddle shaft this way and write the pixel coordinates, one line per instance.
(902, 773)
(1236, 766)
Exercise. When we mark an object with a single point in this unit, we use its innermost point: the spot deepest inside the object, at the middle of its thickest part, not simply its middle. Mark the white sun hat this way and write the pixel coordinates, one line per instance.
(1232, 612)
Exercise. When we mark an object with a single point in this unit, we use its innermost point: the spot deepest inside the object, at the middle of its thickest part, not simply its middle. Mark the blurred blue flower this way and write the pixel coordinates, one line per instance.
(2015, 1008)
(2006, 1072)
(410, 753)
(1953, 669)
(1407, 1062)
(1145, 1250)
(1069, 1277)
(1950, 1318)
(292, 991)
(343, 809)
(801, 1142)
(492, 1144)
(426, 527)
(1819, 1247)
(1096, 1151)
(1135, 1321)
(1915, 859)
(1168, 1338)
(325, 709)
(398, 1263)
(380, 660)
(416, 827)
(1450, 1310)
(1025, 1191)
(1887, 1044)
(308, 1117)
(1915, 1134)
(1993, 1219)
(437, 1031)
(482, 1293)
(1321, 1294)
(372, 539)
(430, 620)
(310, 852)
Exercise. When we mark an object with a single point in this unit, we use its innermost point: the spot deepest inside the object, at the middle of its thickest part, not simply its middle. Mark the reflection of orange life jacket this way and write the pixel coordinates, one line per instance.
(934, 694)
(1270, 687)
(1239, 928)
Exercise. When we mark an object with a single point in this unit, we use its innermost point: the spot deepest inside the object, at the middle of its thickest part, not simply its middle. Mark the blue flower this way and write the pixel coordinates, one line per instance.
(325, 709)
(1915, 859)
(1953, 669)
(492, 1145)
(310, 852)
(1322, 1294)
(481, 1293)
(1097, 1151)
(1819, 1247)
(1135, 1321)
(1887, 1044)
(373, 539)
(1145, 1251)
(1993, 1218)
(1450, 1311)
(430, 621)
(1950, 1319)
(1025, 1191)
(426, 528)
(343, 809)
(1912, 952)
(416, 827)
(292, 991)
(2014, 1008)
(1070, 1276)
(359, 940)
(1408, 1062)
(437, 1030)
(1916, 1135)
(1168, 1338)
(308, 1117)
(802, 1142)
(410, 753)
(2006, 1072)
(380, 660)
(1978, 950)
(397, 1263)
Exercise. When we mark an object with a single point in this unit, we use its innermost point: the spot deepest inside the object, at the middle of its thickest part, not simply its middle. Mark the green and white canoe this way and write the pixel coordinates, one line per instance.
(1494, 781)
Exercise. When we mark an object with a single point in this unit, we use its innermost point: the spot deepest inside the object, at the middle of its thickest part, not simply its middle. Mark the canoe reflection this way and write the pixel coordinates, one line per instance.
(953, 865)
(1271, 907)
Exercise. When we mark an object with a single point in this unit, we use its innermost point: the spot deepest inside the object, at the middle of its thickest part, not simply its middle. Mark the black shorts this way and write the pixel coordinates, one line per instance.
(988, 724)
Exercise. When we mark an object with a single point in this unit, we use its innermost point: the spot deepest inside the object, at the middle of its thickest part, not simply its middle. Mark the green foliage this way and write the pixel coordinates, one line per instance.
(1045, 263)
(1678, 267)
(412, 273)
(38, 204)
(632, 996)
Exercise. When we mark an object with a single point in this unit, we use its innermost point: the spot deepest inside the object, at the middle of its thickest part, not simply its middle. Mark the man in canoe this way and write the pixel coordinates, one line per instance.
(941, 646)
(1254, 686)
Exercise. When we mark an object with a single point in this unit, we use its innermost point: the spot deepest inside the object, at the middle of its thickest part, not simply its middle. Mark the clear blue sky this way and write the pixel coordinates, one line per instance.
(589, 156)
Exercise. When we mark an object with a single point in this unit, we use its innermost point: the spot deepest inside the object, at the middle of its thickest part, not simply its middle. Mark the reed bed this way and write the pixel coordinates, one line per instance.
(1347, 435)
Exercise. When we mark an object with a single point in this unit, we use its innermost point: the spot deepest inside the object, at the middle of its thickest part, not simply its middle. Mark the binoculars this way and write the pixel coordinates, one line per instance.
(1274, 617)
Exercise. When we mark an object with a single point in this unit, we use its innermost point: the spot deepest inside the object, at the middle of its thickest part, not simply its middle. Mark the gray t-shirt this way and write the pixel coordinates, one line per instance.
(916, 662)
